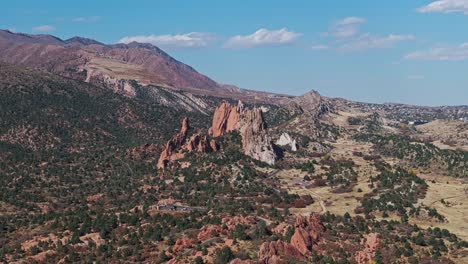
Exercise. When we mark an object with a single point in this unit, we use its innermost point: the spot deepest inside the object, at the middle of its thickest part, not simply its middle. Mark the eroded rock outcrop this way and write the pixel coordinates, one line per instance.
(273, 252)
(226, 118)
(286, 140)
(175, 147)
(210, 231)
(308, 231)
(231, 222)
(256, 142)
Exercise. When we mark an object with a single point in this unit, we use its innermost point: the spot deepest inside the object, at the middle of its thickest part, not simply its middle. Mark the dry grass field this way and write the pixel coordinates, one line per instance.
(450, 197)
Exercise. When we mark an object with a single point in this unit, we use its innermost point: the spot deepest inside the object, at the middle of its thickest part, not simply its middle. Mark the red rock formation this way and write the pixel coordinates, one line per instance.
(193, 142)
(225, 118)
(308, 231)
(210, 231)
(281, 229)
(176, 142)
(231, 222)
(173, 148)
(182, 244)
(249, 122)
(371, 243)
(214, 146)
(240, 261)
(180, 138)
(273, 252)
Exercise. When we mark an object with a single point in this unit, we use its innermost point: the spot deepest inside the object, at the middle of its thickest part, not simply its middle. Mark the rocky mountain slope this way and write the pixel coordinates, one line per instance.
(114, 66)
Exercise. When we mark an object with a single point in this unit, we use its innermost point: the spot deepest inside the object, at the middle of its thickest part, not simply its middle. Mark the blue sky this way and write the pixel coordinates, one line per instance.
(409, 51)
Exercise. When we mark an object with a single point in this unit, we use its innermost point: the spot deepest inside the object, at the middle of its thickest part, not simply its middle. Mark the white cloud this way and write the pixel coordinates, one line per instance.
(189, 40)
(351, 21)
(263, 37)
(43, 28)
(445, 53)
(86, 19)
(319, 47)
(446, 6)
(347, 27)
(369, 41)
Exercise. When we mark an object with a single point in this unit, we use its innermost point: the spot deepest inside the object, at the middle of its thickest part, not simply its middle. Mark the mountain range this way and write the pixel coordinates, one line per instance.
(114, 65)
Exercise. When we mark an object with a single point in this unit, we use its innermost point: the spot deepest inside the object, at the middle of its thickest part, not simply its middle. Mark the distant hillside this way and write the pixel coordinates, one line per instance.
(41, 111)
(149, 63)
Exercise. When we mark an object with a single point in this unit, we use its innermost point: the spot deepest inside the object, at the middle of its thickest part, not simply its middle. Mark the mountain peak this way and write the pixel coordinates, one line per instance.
(83, 41)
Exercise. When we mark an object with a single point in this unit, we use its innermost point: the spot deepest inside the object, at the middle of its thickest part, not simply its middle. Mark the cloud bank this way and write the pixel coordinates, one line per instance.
(446, 53)
(189, 40)
(263, 37)
(347, 27)
(445, 7)
(43, 28)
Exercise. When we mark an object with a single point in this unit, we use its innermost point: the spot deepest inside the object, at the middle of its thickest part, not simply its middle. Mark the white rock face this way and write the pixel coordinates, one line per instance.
(286, 140)
(255, 139)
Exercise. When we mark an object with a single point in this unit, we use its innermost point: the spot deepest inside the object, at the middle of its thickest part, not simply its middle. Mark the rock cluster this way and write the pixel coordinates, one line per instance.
(308, 231)
(272, 252)
(286, 140)
(256, 142)
(210, 231)
(182, 244)
(175, 146)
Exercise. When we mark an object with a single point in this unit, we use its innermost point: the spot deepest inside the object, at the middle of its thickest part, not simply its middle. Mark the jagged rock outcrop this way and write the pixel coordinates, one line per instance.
(371, 243)
(286, 140)
(169, 153)
(256, 142)
(174, 147)
(308, 231)
(226, 118)
(273, 252)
